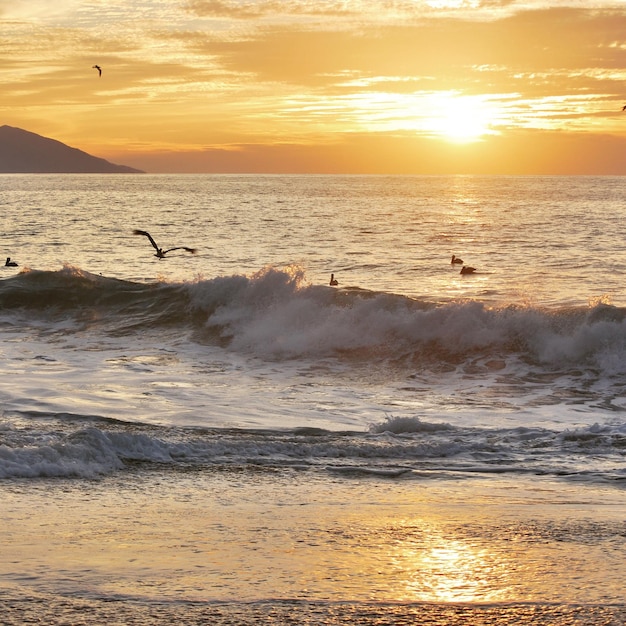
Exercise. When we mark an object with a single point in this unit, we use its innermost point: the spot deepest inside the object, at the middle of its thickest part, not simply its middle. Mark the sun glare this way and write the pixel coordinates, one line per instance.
(460, 119)
(437, 567)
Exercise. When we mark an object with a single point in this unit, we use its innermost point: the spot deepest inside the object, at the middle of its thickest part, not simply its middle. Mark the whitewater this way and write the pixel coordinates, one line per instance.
(225, 436)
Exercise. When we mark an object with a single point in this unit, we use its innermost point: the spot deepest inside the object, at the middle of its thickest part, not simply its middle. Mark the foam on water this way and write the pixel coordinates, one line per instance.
(272, 350)
(66, 447)
(276, 314)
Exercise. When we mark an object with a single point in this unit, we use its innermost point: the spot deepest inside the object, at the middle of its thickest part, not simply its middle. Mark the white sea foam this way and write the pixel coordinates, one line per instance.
(394, 447)
(275, 315)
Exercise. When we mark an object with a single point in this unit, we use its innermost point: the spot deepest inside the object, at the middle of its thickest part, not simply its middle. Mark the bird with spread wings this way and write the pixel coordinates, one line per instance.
(160, 253)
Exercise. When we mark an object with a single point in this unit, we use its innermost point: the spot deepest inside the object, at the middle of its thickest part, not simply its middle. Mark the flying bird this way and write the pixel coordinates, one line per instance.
(624, 108)
(97, 67)
(160, 253)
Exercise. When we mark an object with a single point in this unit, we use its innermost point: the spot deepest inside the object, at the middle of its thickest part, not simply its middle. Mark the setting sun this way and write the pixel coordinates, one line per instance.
(461, 119)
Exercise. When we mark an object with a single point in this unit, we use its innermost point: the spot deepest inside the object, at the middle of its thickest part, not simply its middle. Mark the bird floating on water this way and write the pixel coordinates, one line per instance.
(333, 281)
(160, 253)
(466, 269)
(455, 260)
(97, 67)
(10, 263)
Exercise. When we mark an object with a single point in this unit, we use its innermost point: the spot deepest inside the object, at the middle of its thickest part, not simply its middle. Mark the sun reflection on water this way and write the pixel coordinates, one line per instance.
(437, 567)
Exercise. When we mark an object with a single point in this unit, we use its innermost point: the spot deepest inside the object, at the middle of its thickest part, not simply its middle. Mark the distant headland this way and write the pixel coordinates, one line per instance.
(23, 152)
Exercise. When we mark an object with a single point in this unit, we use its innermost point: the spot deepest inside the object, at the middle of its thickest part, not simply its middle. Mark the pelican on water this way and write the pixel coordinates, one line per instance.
(159, 251)
(333, 281)
(455, 260)
(466, 269)
(10, 263)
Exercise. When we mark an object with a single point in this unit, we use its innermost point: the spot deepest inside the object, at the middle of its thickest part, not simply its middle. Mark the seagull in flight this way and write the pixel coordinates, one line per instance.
(97, 67)
(160, 253)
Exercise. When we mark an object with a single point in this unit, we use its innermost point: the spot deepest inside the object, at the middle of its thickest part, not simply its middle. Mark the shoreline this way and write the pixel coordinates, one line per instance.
(258, 537)
(60, 611)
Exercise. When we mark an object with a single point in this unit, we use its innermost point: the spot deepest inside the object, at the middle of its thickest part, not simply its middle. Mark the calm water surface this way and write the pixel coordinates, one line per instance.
(547, 241)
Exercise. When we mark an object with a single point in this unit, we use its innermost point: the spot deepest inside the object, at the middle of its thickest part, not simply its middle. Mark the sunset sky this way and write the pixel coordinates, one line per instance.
(346, 86)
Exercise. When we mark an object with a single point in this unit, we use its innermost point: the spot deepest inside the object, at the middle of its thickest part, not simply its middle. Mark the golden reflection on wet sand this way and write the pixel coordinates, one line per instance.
(220, 537)
(444, 569)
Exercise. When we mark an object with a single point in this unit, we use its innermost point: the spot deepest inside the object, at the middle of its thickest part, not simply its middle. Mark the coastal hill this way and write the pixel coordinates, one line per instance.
(23, 152)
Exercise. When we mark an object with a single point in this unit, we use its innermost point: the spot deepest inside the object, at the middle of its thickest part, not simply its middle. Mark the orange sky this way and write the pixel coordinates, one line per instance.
(346, 86)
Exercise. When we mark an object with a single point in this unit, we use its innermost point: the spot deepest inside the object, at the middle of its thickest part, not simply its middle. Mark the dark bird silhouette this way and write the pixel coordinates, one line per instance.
(10, 263)
(333, 281)
(466, 269)
(97, 67)
(624, 108)
(455, 260)
(160, 253)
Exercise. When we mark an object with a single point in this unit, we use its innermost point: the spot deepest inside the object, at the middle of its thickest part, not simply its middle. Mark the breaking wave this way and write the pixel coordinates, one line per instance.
(275, 314)
(396, 447)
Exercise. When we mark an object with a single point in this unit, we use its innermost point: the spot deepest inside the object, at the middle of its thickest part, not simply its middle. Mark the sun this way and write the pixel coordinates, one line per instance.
(463, 128)
(461, 119)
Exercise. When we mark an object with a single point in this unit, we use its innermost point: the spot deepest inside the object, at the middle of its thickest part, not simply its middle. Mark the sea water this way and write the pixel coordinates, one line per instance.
(223, 437)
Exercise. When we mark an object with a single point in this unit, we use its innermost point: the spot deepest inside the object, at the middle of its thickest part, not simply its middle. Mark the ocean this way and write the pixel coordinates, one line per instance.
(225, 438)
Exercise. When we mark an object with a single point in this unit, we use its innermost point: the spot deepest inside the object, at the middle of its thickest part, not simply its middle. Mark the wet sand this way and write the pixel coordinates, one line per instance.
(242, 546)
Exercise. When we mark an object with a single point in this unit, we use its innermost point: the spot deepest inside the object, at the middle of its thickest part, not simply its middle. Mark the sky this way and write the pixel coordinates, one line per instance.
(323, 86)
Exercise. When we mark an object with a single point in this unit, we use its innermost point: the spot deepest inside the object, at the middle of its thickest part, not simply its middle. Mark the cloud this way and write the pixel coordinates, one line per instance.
(36, 9)
(445, 50)
(383, 11)
(254, 9)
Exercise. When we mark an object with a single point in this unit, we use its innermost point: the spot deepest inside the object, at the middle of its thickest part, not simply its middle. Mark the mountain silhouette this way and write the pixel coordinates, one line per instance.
(23, 152)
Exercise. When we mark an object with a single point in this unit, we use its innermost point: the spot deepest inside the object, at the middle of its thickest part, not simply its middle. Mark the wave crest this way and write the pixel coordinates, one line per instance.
(276, 314)
(393, 448)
